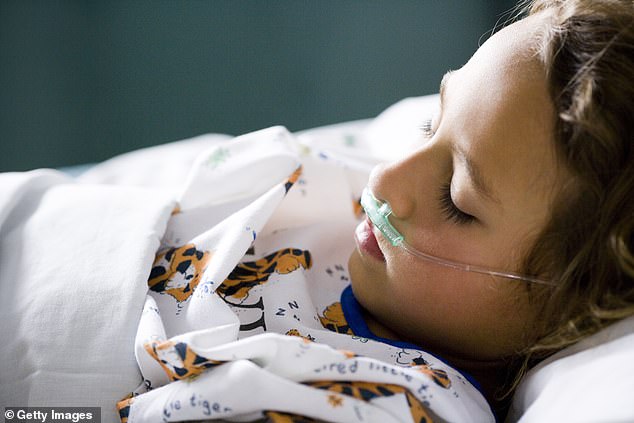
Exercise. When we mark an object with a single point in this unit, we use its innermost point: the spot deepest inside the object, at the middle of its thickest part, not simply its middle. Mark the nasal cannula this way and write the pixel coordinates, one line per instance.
(379, 212)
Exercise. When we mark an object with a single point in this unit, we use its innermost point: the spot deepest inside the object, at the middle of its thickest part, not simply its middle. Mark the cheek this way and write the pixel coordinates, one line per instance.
(416, 280)
(457, 311)
(425, 291)
(443, 309)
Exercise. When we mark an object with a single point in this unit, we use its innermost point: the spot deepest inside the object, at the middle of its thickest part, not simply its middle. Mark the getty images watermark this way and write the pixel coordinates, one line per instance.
(52, 414)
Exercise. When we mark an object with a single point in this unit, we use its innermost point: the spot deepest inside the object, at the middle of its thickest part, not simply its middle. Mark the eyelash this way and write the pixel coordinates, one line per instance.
(449, 208)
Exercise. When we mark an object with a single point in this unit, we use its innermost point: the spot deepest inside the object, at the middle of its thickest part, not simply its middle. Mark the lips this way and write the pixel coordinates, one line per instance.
(367, 242)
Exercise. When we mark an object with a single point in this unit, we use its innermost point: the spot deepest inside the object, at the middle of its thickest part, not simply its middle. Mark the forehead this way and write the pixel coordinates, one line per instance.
(508, 71)
(503, 117)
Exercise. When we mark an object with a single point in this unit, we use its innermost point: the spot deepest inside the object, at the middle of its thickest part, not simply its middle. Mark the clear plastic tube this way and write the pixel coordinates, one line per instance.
(379, 212)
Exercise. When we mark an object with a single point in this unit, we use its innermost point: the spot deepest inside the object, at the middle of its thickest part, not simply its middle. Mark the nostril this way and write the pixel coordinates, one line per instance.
(379, 212)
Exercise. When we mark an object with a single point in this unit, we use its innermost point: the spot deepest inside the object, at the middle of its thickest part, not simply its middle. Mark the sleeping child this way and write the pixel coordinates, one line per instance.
(303, 278)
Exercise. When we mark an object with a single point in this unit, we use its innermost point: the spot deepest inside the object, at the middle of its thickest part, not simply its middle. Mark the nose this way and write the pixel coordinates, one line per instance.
(408, 184)
(391, 182)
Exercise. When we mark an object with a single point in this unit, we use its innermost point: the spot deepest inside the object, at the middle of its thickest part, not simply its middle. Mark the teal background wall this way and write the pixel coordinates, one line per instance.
(81, 81)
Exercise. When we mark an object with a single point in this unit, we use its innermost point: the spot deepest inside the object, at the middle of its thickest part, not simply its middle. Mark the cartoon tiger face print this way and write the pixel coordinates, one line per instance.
(440, 377)
(248, 275)
(334, 320)
(177, 271)
(368, 391)
(178, 360)
(360, 390)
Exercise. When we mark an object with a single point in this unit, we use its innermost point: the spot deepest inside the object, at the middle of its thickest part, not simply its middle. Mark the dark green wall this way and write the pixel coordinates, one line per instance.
(81, 81)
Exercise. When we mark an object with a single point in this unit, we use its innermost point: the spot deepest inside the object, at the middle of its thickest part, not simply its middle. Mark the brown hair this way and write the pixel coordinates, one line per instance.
(588, 52)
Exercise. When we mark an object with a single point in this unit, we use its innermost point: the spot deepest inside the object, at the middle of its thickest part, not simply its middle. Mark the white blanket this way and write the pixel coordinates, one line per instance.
(257, 249)
(73, 264)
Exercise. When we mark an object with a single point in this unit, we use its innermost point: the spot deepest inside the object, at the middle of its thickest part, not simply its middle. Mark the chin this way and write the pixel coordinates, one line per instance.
(353, 267)
(363, 281)
(358, 276)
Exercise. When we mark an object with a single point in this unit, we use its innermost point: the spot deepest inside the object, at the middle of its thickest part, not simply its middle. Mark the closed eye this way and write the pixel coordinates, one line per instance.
(449, 208)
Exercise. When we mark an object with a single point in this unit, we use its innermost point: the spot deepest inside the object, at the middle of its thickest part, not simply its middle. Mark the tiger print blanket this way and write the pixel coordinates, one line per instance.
(249, 314)
(218, 289)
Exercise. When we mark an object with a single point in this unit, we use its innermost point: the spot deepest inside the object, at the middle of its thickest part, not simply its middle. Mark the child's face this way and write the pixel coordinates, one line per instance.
(493, 143)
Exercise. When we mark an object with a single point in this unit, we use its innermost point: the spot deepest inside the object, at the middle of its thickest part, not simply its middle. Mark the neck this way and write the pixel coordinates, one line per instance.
(490, 374)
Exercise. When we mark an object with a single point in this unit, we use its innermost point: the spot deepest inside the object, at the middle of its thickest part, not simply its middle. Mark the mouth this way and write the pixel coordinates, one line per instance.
(367, 242)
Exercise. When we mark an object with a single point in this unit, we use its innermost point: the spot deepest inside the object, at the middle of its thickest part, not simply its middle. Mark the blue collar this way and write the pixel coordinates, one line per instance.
(353, 314)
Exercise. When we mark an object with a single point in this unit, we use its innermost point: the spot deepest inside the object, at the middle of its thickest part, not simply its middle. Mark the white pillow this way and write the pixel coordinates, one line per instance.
(165, 166)
(398, 128)
(591, 381)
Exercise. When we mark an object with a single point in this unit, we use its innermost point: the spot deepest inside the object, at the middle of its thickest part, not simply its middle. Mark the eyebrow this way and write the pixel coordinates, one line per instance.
(479, 181)
(473, 170)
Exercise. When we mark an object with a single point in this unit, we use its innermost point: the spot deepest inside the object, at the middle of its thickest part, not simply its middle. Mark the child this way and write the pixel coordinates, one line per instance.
(527, 167)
